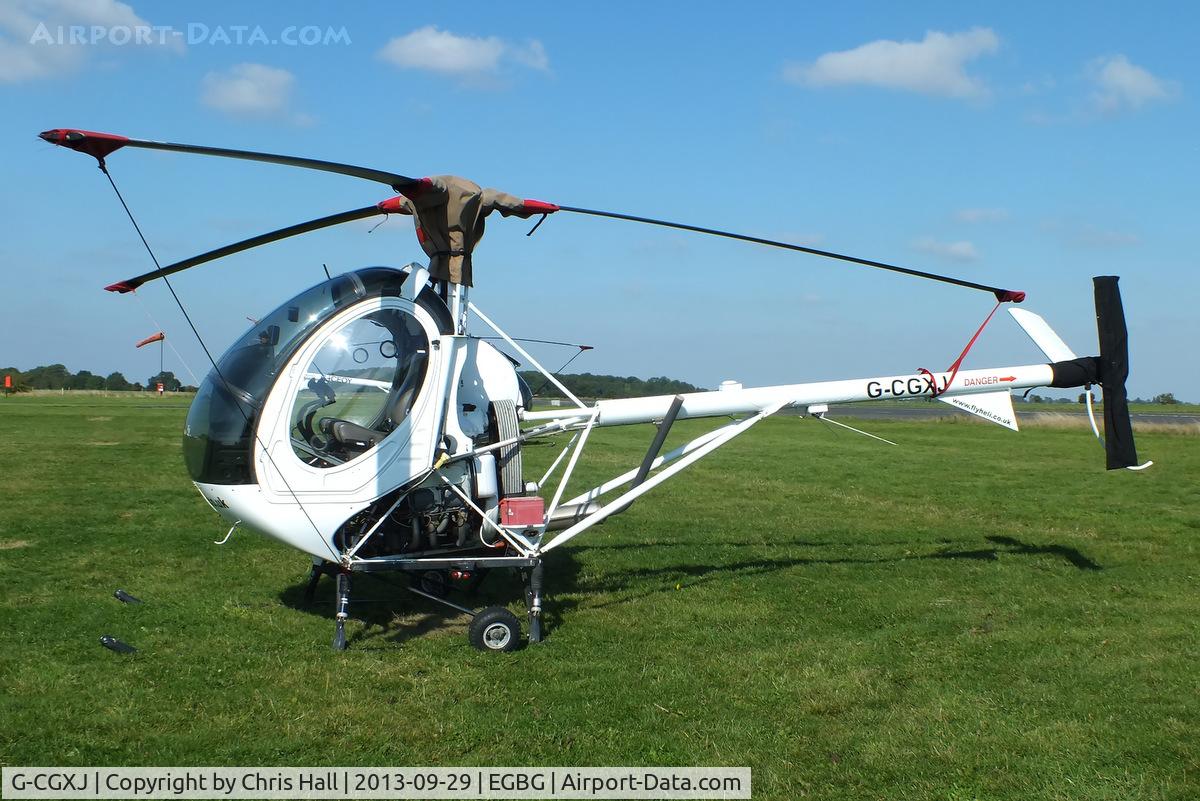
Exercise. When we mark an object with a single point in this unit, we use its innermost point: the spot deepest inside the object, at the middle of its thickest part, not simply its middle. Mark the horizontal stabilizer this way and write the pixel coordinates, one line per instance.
(1043, 335)
(995, 407)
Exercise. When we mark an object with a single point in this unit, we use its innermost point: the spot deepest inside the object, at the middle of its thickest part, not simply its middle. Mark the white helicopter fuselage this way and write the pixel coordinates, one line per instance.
(303, 506)
(301, 500)
(305, 478)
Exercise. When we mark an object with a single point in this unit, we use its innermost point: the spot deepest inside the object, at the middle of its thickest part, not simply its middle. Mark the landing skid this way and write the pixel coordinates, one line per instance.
(493, 628)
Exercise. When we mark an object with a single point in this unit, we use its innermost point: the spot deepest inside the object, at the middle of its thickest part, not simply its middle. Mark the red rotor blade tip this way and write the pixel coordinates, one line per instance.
(120, 286)
(393, 205)
(540, 207)
(93, 143)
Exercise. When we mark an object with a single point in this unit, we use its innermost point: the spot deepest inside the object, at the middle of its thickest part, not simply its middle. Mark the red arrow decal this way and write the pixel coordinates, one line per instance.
(1009, 378)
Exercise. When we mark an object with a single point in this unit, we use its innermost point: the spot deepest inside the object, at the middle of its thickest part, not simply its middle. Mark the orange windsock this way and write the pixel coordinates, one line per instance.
(159, 337)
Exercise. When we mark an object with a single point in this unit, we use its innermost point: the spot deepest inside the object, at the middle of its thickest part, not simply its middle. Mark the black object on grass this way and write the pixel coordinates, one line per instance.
(113, 644)
(126, 598)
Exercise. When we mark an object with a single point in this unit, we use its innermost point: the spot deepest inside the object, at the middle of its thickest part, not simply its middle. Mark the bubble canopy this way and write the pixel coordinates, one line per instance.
(218, 440)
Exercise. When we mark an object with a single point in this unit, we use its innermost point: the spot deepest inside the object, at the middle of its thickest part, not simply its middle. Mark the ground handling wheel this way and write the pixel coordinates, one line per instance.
(495, 629)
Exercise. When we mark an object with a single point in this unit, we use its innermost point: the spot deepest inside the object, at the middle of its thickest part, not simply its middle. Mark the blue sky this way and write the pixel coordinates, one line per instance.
(1018, 144)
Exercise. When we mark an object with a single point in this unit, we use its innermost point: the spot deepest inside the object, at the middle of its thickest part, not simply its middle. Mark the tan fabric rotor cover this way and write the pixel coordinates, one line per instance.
(449, 214)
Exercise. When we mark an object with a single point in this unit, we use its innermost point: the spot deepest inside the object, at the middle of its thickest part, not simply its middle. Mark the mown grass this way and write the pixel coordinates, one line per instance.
(974, 614)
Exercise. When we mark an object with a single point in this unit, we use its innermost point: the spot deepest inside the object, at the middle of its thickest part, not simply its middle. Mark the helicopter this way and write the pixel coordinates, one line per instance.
(363, 423)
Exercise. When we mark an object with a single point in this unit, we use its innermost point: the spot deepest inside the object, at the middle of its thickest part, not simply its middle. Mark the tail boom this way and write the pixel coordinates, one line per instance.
(720, 403)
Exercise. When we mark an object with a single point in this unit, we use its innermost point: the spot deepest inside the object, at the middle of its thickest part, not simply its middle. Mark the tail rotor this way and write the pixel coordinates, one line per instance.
(1110, 369)
(1113, 373)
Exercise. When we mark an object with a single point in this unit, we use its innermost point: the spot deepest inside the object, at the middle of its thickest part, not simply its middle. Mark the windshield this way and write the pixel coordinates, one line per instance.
(220, 424)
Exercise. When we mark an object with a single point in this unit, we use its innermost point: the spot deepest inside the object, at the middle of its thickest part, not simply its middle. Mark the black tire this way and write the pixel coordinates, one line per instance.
(495, 629)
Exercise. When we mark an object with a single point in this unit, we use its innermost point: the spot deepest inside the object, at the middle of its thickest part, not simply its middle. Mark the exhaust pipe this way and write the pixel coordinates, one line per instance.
(568, 515)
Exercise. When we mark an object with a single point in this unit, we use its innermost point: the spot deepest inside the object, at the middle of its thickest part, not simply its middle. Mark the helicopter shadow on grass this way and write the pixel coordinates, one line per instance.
(641, 582)
(387, 611)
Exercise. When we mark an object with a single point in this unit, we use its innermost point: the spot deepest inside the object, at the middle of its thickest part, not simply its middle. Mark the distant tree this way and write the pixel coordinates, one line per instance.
(589, 385)
(1165, 398)
(52, 376)
(1036, 399)
(84, 379)
(117, 382)
(167, 379)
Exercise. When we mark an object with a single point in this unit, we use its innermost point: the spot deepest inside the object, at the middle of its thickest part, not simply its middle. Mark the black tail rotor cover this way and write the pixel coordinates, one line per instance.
(1114, 371)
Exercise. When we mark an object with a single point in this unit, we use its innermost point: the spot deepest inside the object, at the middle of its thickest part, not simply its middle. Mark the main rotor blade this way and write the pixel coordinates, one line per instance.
(130, 284)
(1015, 296)
(100, 145)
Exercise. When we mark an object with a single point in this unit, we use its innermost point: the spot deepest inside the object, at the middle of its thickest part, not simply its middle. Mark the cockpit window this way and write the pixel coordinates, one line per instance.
(359, 387)
(217, 441)
(251, 365)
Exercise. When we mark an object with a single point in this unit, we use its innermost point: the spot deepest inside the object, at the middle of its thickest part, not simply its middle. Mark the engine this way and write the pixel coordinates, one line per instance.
(428, 518)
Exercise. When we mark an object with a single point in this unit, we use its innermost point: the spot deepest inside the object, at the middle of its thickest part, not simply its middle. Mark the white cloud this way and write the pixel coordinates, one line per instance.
(981, 215)
(46, 38)
(466, 57)
(1088, 236)
(1123, 85)
(1104, 239)
(252, 90)
(934, 65)
(952, 251)
(1039, 86)
(532, 55)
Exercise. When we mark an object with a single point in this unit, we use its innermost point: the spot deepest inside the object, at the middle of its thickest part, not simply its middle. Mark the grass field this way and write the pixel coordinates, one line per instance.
(976, 614)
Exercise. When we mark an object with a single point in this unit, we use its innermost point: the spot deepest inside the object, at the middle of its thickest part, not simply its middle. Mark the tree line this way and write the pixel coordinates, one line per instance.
(1162, 399)
(57, 376)
(589, 385)
(584, 385)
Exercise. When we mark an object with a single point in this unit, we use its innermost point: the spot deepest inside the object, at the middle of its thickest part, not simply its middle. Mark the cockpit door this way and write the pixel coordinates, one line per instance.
(355, 412)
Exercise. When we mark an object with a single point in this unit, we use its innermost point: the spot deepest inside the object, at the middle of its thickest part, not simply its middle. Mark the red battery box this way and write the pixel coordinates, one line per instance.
(522, 511)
